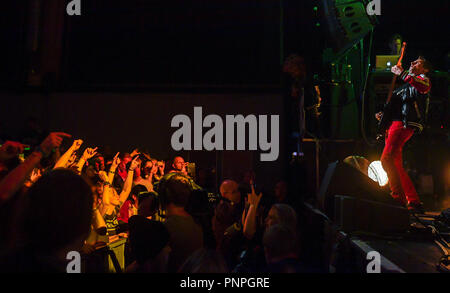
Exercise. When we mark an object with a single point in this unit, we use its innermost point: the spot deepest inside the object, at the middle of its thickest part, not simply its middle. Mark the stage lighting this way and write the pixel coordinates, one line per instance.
(377, 173)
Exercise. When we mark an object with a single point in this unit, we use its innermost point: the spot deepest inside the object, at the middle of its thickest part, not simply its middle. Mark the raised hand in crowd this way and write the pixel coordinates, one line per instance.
(53, 141)
(35, 175)
(161, 167)
(115, 163)
(63, 161)
(154, 169)
(87, 154)
(253, 198)
(111, 199)
(134, 164)
(134, 153)
(113, 167)
(250, 218)
(16, 178)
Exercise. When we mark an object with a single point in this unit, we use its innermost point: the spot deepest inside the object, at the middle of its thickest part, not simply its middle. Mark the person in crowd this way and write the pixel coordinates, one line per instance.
(141, 174)
(113, 200)
(130, 206)
(282, 214)
(45, 190)
(55, 219)
(228, 211)
(186, 236)
(149, 243)
(179, 165)
(280, 195)
(281, 250)
(14, 180)
(124, 159)
(204, 261)
(149, 205)
(69, 157)
(281, 192)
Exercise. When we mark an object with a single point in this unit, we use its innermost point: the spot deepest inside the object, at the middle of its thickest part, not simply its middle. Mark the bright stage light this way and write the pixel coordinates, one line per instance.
(377, 173)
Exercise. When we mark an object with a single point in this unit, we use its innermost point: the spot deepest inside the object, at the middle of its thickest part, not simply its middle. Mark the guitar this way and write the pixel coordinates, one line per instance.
(386, 115)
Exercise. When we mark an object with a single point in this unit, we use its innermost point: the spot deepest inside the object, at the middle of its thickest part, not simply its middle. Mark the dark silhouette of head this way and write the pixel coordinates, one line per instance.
(178, 191)
(59, 211)
(279, 243)
(204, 261)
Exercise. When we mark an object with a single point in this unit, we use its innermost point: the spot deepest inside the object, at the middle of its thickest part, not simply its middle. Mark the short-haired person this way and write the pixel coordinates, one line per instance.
(179, 165)
(186, 236)
(149, 242)
(408, 113)
(227, 214)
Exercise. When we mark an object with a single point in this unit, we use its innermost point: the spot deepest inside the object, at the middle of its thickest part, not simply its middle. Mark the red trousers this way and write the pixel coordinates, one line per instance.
(402, 188)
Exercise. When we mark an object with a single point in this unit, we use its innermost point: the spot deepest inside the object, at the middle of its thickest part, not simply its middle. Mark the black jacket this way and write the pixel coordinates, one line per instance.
(410, 106)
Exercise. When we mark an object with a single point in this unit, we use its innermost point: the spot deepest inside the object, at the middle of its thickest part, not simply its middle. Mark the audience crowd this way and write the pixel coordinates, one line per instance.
(55, 200)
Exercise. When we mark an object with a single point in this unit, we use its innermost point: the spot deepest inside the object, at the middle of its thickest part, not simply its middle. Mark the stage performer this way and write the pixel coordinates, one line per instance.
(408, 112)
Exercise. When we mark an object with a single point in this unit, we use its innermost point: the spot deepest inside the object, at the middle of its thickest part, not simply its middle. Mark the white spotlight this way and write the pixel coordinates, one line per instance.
(377, 173)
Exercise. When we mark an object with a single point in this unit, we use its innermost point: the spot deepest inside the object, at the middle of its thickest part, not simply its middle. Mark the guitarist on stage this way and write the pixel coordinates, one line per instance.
(407, 115)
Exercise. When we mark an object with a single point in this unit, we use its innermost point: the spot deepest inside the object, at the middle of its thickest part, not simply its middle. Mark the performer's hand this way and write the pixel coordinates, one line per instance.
(378, 115)
(397, 70)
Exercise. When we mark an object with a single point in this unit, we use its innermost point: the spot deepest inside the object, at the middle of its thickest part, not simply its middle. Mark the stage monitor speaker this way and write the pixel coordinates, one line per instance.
(348, 22)
(342, 179)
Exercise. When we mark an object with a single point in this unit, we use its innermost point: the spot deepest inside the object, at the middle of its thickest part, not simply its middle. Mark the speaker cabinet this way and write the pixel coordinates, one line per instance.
(342, 179)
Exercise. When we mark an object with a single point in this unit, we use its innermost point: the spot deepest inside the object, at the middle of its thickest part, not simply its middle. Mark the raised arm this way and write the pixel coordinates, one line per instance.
(16, 178)
(113, 167)
(62, 162)
(250, 220)
(129, 181)
(88, 154)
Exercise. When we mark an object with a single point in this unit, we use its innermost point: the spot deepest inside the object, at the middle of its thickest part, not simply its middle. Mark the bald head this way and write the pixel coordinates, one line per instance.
(178, 163)
(230, 190)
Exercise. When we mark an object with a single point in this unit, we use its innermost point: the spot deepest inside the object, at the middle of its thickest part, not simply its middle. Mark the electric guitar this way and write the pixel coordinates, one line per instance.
(386, 116)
